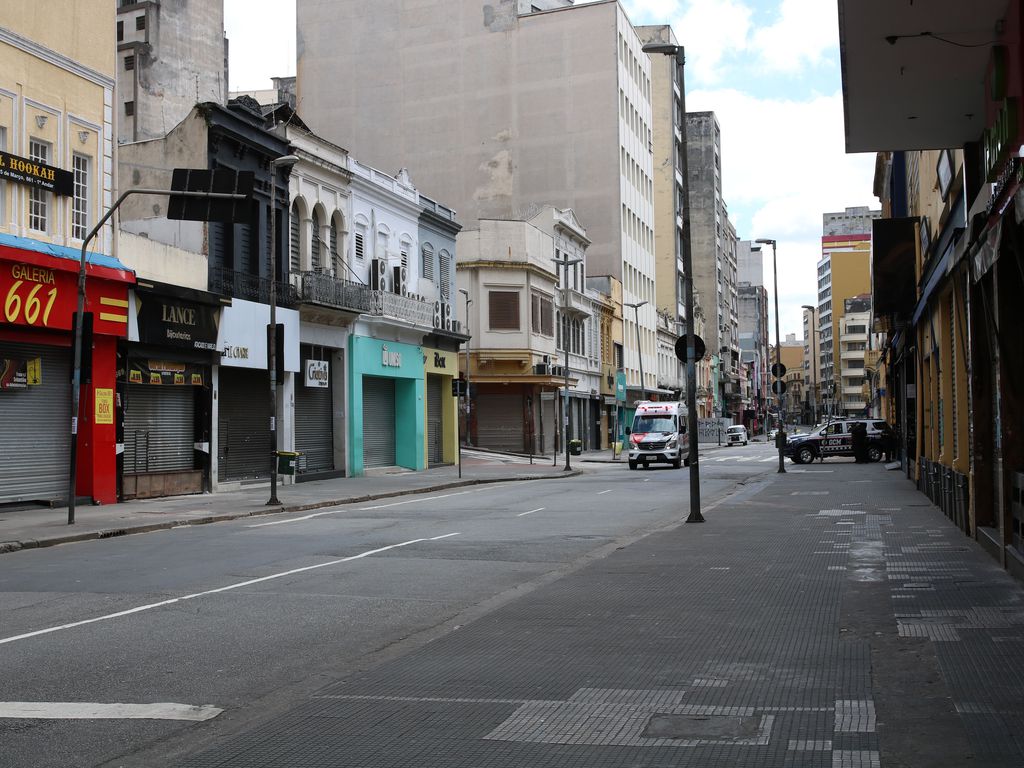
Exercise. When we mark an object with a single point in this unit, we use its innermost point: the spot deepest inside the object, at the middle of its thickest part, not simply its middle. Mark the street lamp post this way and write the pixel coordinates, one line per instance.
(285, 161)
(639, 349)
(77, 341)
(780, 436)
(814, 362)
(469, 406)
(683, 206)
(565, 261)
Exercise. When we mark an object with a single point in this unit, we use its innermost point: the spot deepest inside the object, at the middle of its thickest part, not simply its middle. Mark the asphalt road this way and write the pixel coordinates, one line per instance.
(235, 621)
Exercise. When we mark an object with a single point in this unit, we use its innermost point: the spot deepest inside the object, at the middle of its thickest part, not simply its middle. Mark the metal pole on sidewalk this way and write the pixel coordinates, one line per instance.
(780, 436)
(565, 261)
(76, 375)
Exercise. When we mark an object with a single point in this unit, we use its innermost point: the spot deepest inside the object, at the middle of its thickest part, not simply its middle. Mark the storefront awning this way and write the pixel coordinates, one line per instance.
(98, 264)
(893, 257)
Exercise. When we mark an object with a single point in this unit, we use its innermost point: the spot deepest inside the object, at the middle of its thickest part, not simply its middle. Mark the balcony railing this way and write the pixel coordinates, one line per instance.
(242, 285)
(329, 291)
(573, 302)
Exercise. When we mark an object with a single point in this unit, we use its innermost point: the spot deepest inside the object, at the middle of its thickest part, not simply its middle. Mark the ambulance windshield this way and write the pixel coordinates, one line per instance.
(654, 424)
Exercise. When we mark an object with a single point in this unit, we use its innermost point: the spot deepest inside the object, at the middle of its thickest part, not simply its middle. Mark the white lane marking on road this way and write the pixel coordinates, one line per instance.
(523, 514)
(601, 493)
(75, 710)
(228, 588)
(360, 509)
(770, 458)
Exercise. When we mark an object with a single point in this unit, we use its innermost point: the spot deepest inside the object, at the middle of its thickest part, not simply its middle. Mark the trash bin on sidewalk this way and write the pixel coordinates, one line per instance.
(576, 447)
(286, 461)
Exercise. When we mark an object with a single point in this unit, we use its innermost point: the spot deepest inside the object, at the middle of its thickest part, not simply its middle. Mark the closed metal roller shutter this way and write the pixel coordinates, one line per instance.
(499, 421)
(243, 424)
(378, 422)
(435, 420)
(314, 427)
(35, 425)
(158, 429)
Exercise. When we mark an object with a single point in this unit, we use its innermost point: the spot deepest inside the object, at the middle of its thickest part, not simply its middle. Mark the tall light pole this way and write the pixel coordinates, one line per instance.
(639, 349)
(565, 261)
(469, 406)
(780, 436)
(814, 362)
(683, 206)
(285, 161)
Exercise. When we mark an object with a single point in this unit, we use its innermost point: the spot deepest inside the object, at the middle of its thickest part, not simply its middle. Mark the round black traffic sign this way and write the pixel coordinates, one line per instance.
(778, 370)
(779, 387)
(698, 347)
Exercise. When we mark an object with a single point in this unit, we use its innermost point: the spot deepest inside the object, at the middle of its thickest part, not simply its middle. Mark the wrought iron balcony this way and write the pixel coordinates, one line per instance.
(243, 285)
(329, 291)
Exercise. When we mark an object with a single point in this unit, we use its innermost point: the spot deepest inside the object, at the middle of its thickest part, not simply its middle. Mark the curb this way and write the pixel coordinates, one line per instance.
(109, 533)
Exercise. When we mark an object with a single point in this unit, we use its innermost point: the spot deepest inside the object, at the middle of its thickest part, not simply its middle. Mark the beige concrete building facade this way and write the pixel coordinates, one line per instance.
(56, 97)
(496, 108)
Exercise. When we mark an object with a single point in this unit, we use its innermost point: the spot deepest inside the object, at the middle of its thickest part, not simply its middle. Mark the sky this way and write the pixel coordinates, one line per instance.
(768, 69)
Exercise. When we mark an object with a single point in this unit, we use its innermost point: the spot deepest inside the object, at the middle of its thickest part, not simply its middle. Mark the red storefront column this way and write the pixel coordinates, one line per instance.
(38, 294)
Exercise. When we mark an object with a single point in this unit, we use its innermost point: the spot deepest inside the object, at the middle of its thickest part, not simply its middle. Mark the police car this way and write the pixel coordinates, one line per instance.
(836, 439)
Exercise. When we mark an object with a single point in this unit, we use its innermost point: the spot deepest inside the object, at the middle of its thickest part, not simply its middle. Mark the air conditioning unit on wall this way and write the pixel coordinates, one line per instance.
(446, 309)
(400, 280)
(378, 275)
(438, 314)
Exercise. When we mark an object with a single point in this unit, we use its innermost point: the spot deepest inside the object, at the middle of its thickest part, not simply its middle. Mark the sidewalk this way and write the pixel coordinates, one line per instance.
(44, 526)
(828, 617)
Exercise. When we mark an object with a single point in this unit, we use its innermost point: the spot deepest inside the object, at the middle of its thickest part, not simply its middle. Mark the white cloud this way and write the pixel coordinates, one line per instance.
(805, 32)
(712, 31)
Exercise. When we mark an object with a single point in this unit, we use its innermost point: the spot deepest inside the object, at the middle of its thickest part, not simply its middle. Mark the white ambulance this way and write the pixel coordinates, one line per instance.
(658, 434)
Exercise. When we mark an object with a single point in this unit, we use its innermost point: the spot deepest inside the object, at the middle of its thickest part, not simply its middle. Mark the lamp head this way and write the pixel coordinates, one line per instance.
(284, 161)
(765, 241)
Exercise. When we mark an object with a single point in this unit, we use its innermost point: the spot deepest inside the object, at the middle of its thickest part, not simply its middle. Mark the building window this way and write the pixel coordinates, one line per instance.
(314, 244)
(445, 260)
(38, 199)
(80, 201)
(129, 62)
(120, 31)
(503, 310)
(404, 249)
(129, 108)
(294, 240)
(335, 256)
(360, 241)
(542, 311)
(427, 261)
(140, 22)
(3, 184)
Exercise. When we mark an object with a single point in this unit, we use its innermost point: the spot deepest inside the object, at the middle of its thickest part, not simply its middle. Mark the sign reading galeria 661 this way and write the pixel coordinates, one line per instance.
(43, 297)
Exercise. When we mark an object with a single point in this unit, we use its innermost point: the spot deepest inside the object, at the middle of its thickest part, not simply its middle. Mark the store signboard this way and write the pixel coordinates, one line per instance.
(34, 174)
(318, 374)
(176, 322)
(242, 335)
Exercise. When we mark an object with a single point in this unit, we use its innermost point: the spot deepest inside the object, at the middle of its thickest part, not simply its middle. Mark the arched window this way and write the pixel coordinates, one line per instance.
(427, 261)
(314, 244)
(445, 260)
(404, 247)
(359, 245)
(294, 240)
(335, 255)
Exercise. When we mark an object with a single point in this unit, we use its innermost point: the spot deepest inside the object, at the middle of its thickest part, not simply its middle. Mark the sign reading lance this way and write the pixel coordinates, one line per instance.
(35, 174)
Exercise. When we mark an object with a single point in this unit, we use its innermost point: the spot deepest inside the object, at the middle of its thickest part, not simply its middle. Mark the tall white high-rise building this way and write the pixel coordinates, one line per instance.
(497, 107)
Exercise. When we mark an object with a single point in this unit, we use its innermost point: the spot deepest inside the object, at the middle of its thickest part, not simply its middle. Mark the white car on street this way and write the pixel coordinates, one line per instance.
(737, 434)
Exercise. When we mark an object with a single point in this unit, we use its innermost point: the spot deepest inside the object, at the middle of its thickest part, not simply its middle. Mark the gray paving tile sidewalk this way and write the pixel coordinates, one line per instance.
(37, 526)
(829, 618)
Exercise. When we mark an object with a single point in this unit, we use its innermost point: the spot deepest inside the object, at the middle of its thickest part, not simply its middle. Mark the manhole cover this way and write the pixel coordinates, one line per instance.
(716, 727)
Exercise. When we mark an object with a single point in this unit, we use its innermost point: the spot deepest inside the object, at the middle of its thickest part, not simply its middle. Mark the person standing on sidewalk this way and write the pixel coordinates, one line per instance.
(859, 437)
